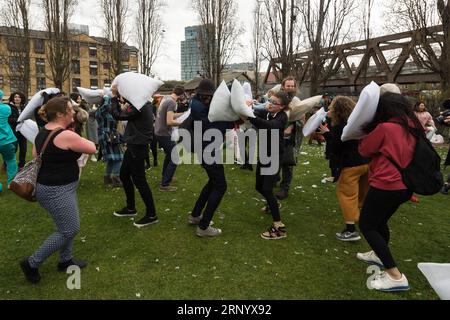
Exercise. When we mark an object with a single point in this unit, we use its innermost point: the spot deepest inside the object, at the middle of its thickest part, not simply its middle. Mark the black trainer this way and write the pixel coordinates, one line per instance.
(62, 266)
(146, 221)
(125, 212)
(31, 274)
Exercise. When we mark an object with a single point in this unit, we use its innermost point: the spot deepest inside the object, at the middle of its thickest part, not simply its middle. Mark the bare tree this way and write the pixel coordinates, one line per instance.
(419, 15)
(367, 17)
(326, 23)
(114, 15)
(57, 15)
(257, 46)
(16, 16)
(281, 38)
(149, 33)
(218, 34)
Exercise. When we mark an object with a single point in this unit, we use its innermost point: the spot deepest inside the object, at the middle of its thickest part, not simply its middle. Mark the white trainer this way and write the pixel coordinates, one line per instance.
(370, 258)
(386, 284)
(208, 232)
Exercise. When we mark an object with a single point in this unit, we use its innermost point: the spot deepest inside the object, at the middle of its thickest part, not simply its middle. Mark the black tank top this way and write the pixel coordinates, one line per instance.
(59, 167)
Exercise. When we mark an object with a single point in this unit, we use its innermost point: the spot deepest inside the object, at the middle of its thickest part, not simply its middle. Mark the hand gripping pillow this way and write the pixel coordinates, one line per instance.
(363, 113)
(137, 88)
(220, 108)
(91, 96)
(28, 129)
(36, 102)
(314, 122)
(238, 102)
(299, 108)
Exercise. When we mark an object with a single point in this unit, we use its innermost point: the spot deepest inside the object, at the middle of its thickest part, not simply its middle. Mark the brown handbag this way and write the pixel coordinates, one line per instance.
(24, 183)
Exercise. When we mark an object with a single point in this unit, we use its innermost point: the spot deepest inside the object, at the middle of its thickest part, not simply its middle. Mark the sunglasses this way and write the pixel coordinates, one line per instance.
(274, 103)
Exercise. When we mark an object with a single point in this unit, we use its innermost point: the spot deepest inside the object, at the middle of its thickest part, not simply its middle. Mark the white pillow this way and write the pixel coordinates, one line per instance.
(390, 87)
(29, 129)
(238, 101)
(220, 108)
(36, 102)
(438, 275)
(299, 108)
(276, 89)
(107, 92)
(363, 113)
(314, 122)
(91, 96)
(137, 88)
(248, 91)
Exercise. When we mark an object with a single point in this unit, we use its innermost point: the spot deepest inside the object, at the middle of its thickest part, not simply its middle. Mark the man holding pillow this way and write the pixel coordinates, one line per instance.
(165, 120)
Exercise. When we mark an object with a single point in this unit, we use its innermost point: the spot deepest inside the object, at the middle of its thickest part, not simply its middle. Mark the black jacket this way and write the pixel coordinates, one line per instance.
(345, 154)
(139, 130)
(12, 120)
(265, 120)
(447, 161)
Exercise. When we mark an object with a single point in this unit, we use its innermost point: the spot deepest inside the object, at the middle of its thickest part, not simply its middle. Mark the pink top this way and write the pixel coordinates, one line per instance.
(425, 119)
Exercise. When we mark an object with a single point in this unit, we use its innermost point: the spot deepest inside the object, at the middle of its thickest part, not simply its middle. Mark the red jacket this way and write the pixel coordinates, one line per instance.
(388, 139)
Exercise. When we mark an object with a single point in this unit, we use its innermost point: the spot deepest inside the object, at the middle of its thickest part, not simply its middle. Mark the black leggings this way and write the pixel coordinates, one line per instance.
(379, 207)
(265, 185)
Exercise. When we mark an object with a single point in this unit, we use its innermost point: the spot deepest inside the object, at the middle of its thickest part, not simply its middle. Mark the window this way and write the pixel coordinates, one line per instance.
(94, 84)
(107, 83)
(16, 84)
(92, 50)
(14, 65)
(15, 44)
(40, 83)
(93, 68)
(133, 54)
(76, 66)
(126, 68)
(40, 66)
(75, 49)
(134, 69)
(125, 55)
(106, 66)
(75, 84)
(1, 81)
(39, 46)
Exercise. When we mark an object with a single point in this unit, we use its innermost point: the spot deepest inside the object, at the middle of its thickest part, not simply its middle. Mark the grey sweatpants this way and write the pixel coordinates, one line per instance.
(62, 204)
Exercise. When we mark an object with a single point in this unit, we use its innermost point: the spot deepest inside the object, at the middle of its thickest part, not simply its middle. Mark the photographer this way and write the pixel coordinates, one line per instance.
(445, 119)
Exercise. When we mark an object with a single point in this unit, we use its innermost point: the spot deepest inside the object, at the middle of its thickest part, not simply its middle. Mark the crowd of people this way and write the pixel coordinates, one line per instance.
(369, 187)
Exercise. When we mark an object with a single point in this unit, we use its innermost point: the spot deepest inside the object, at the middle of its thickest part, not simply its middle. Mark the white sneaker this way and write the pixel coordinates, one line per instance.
(93, 158)
(386, 284)
(208, 232)
(370, 258)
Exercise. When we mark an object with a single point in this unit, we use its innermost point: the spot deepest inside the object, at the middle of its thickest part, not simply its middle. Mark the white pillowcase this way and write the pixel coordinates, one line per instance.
(238, 101)
(220, 108)
(29, 129)
(248, 91)
(363, 113)
(137, 88)
(438, 275)
(36, 102)
(299, 108)
(314, 122)
(91, 96)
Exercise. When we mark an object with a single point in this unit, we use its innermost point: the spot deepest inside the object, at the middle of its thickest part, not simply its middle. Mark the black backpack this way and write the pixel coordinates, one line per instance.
(423, 175)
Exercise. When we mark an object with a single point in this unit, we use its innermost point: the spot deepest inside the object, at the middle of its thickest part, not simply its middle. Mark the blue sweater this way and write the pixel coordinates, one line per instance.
(6, 134)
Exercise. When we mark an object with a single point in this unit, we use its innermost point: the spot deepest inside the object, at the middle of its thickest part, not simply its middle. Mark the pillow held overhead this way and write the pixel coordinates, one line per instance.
(299, 108)
(314, 122)
(91, 96)
(36, 102)
(363, 113)
(248, 91)
(238, 102)
(220, 108)
(137, 88)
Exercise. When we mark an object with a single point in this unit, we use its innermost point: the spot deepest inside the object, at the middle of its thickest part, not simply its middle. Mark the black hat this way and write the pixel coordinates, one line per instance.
(206, 87)
(446, 104)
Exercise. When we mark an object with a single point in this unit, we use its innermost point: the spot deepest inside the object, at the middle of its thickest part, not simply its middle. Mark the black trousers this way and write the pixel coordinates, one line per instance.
(211, 195)
(154, 149)
(21, 144)
(379, 207)
(265, 185)
(132, 173)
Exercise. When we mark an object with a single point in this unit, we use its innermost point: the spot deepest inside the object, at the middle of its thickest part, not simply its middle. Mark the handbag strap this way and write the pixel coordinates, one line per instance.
(50, 136)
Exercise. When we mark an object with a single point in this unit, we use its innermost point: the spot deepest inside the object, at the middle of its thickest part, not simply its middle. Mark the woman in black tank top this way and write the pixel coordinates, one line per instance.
(57, 183)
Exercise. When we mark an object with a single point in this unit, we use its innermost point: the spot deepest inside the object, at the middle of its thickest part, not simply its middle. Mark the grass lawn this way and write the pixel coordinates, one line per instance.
(167, 261)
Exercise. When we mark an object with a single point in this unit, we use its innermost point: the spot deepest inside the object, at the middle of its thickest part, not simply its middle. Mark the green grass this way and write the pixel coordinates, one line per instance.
(166, 260)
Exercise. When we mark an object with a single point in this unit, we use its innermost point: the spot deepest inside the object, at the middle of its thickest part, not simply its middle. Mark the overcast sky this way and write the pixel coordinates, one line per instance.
(176, 16)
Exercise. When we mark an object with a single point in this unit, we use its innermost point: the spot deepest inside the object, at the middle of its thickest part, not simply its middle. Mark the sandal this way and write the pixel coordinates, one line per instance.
(274, 233)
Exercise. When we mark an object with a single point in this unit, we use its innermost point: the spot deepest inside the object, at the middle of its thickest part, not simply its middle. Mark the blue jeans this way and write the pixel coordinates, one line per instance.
(169, 167)
(8, 152)
(113, 167)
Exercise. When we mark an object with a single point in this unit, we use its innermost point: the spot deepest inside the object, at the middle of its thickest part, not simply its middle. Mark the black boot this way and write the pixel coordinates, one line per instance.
(31, 274)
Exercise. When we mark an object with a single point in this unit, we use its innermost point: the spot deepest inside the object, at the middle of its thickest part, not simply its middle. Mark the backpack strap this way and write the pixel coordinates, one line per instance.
(49, 137)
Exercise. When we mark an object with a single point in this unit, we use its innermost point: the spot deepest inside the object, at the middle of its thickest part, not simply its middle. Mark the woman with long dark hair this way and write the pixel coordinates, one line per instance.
(17, 102)
(425, 118)
(390, 139)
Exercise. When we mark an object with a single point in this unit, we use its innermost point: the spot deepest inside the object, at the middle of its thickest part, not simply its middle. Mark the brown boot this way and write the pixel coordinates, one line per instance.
(107, 180)
(116, 183)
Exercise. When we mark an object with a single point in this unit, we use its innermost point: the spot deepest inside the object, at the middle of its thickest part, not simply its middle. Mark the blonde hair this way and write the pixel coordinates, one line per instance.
(342, 109)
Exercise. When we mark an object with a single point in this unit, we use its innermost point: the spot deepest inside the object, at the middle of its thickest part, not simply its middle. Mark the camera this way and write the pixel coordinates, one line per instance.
(445, 114)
